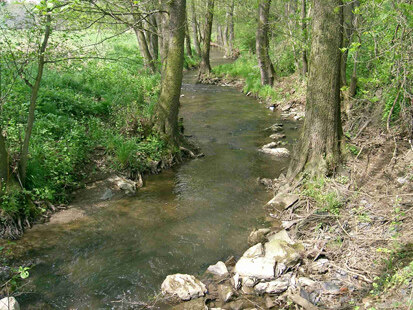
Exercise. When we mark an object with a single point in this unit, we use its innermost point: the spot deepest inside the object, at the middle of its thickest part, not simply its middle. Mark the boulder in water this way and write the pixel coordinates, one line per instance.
(218, 269)
(183, 286)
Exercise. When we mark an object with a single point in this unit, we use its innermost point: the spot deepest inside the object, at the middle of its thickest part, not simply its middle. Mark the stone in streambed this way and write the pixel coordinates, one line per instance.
(183, 286)
(274, 287)
(225, 292)
(258, 236)
(283, 201)
(280, 152)
(196, 304)
(219, 269)
(277, 136)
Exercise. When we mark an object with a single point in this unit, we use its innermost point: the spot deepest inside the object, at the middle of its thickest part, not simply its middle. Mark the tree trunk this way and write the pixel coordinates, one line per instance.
(305, 35)
(188, 40)
(348, 17)
(33, 98)
(205, 66)
(154, 44)
(143, 46)
(164, 31)
(353, 81)
(4, 162)
(229, 33)
(166, 111)
(195, 29)
(318, 151)
(262, 44)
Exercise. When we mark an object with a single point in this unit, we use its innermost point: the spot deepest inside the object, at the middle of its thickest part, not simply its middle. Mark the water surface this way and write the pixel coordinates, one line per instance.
(182, 221)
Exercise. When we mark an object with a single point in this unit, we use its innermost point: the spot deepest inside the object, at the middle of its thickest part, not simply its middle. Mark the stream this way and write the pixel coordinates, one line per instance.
(182, 221)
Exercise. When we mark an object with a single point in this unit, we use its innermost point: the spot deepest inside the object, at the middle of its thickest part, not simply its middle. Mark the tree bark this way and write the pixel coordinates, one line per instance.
(262, 44)
(143, 46)
(195, 29)
(305, 35)
(33, 98)
(154, 44)
(319, 149)
(348, 18)
(188, 40)
(166, 111)
(229, 33)
(205, 66)
(353, 81)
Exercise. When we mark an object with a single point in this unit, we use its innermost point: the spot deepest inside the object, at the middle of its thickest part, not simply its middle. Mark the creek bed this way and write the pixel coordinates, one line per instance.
(183, 220)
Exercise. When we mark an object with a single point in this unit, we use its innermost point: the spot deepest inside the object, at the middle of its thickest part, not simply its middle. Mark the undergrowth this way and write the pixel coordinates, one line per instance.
(82, 106)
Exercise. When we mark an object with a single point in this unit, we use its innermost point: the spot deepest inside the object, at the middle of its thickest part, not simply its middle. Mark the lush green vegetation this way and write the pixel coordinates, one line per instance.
(83, 106)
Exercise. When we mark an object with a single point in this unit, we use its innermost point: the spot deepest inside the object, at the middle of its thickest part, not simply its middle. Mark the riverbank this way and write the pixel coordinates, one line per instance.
(350, 236)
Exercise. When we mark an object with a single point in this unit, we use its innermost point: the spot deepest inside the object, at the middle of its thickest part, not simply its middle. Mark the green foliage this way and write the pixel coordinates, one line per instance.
(325, 199)
(82, 106)
(245, 67)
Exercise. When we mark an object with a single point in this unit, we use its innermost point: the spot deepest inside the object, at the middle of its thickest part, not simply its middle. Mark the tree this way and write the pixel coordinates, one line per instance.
(205, 65)
(262, 44)
(166, 111)
(318, 151)
(229, 31)
(195, 28)
(305, 35)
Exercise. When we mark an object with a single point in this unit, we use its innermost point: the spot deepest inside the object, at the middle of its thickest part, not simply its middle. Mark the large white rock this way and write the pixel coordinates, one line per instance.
(219, 269)
(281, 235)
(280, 152)
(183, 286)
(254, 251)
(274, 287)
(9, 303)
(258, 267)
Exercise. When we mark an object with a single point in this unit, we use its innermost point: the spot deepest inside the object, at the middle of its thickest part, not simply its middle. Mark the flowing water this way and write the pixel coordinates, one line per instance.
(183, 220)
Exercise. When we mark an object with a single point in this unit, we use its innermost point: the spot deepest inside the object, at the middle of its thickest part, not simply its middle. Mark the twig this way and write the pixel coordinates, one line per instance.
(354, 273)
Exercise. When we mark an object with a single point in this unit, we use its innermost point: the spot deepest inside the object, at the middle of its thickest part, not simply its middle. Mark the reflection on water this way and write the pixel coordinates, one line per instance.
(183, 220)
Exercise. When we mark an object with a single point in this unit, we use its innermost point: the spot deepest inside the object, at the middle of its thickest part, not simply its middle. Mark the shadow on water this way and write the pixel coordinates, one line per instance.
(183, 220)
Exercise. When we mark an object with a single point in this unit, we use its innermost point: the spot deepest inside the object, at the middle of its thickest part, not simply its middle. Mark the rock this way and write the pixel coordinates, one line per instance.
(196, 304)
(283, 201)
(319, 266)
(303, 281)
(330, 287)
(258, 267)
(230, 262)
(265, 181)
(225, 292)
(281, 235)
(270, 302)
(258, 236)
(285, 254)
(274, 287)
(218, 269)
(278, 136)
(279, 152)
(128, 186)
(236, 281)
(9, 303)
(108, 194)
(183, 286)
(275, 128)
(254, 251)
(402, 181)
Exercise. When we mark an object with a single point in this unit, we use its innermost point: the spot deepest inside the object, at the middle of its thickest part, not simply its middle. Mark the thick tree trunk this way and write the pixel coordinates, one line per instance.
(143, 46)
(318, 151)
(188, 40)
(164, 31)
(33, 98)
(166, 111)
(195, 29)
(4, 162)
(305, 35)
(205, 66)
(262, 44)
